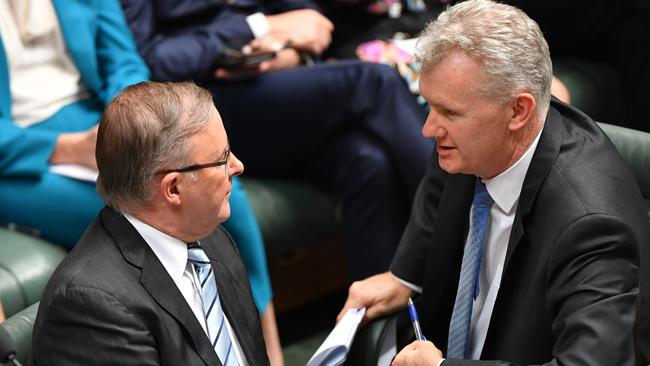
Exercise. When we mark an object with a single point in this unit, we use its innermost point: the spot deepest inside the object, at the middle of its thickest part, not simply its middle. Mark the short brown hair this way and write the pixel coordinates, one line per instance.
(145, 129)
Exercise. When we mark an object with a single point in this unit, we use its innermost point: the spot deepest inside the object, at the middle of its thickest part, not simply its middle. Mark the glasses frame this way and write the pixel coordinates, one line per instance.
(194, 167)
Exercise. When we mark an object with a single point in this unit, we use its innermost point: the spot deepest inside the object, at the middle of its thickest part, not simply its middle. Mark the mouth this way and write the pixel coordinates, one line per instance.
(444, 150)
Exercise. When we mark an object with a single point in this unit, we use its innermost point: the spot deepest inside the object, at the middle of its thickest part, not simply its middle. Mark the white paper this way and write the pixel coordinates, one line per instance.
(336, 346)
(75, 171)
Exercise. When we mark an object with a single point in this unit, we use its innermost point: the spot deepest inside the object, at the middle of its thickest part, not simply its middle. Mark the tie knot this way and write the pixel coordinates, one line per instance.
(197, 256)
(481, 196)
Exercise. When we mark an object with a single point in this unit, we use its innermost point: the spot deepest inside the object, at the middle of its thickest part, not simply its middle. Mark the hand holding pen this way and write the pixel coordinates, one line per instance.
(416, 322)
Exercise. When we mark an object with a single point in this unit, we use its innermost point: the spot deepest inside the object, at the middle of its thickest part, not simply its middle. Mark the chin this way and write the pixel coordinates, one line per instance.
(224, 213)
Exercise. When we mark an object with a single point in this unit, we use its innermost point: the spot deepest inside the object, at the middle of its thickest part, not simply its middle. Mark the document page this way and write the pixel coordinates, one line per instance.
(75, 171)
(336, 346)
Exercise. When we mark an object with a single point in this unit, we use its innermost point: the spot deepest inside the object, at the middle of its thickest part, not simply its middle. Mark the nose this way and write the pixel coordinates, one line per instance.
(235, 166)
(432, 128)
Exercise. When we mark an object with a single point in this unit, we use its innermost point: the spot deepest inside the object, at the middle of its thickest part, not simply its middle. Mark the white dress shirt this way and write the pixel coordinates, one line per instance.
(172, 253)
(504, 189)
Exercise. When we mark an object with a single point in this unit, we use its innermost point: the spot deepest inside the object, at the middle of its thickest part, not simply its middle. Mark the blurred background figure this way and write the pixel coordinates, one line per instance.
(351, 128)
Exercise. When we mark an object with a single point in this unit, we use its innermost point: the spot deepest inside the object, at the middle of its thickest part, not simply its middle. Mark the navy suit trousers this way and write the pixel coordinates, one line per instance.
(350, 127)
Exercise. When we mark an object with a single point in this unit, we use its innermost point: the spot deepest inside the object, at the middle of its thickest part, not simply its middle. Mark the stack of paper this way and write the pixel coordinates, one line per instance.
(336, 346)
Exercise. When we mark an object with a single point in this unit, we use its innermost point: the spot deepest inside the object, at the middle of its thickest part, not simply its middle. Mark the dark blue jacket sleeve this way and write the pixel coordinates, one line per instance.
(182, 39)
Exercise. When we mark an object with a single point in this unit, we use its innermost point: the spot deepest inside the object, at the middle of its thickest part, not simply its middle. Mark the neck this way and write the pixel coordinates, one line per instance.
(520, 143)
(160, 219)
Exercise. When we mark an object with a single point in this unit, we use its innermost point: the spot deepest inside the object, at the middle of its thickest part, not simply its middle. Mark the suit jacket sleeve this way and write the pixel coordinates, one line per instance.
(592, 287)
(118, 60)
(86, 326)
(194, 34)
(410, 259)
(190, 50)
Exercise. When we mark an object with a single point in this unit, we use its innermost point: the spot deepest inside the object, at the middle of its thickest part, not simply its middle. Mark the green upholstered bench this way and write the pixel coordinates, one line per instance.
(634, 147)
(19, 326)
(594, 87)
(301, 227)
(26, 264)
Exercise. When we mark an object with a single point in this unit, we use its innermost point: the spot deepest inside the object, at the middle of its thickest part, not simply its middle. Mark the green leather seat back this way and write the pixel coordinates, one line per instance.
(634, 147)
(594, 87)
(26, 264)
(292, 215)
(19, 326)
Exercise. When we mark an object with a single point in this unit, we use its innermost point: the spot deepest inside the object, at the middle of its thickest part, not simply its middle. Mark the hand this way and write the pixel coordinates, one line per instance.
(308, 30)
(285, 59)
(418, 353)
(380, 294)
(76, 148)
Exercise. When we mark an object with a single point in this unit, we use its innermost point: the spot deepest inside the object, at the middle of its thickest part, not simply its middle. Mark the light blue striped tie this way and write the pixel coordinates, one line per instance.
(214, 317)
(468, 283)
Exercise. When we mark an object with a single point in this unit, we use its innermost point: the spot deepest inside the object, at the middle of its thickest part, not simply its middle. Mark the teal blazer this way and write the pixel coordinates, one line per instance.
(103, 50)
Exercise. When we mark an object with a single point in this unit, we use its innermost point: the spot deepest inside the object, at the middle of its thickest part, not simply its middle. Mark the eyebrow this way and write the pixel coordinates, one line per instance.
(225, 152)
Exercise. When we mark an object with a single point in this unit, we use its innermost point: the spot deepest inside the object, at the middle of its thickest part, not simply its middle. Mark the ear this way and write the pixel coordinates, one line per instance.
(170, 188)
(523, 110)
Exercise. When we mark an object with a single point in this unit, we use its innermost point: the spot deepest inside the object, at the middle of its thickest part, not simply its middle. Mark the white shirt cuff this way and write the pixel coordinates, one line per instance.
(413, 287)
(259, 24)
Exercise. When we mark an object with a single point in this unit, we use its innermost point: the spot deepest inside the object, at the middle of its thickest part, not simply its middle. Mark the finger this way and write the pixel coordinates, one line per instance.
(265, 66)
(222, 74)
(248, 49)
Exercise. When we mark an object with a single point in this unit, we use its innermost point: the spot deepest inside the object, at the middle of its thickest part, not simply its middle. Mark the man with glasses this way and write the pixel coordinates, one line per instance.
(155, 280)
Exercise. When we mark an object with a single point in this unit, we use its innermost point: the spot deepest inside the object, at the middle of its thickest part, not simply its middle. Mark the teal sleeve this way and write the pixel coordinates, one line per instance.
(120, 64)
(244, 229)
(24, 152)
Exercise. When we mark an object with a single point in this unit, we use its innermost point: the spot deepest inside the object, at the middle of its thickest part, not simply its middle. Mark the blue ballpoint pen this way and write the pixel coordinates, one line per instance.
(416, 323)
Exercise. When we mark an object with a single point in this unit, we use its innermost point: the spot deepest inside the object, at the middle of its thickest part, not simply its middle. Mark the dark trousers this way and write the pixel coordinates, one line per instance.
(352, 128)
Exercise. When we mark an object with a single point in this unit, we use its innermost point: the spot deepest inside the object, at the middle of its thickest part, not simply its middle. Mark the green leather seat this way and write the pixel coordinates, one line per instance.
(19, 326)
(634, 147)
(26, 264)
(594, 87)
(292, 215)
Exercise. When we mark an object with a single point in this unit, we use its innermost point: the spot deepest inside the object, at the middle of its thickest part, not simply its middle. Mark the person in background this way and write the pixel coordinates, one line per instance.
(528, 240)
(2, 313)
(351, 128)
(61, 62)
(155, 279)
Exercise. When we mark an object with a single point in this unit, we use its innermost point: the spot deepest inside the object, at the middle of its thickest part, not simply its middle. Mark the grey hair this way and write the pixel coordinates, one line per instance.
(145, 128)
(510, 45)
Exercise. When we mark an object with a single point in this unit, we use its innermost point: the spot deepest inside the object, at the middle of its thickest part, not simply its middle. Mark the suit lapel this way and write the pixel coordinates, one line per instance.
(156, 281)
(547, 151)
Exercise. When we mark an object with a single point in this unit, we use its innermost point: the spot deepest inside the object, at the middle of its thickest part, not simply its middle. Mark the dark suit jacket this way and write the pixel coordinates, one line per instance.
(111, 302)
(571, 276)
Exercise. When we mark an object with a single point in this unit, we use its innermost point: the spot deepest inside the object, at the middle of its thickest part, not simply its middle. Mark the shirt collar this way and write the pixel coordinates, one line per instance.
(506, 187)
(171, 252)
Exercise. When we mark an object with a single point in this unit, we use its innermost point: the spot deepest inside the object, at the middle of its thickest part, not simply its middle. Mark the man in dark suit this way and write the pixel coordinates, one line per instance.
(131, 292)
(352, 128)
(528, 239)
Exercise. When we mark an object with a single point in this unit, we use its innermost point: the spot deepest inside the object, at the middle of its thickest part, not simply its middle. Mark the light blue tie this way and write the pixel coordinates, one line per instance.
(214, 317)
(468, 283)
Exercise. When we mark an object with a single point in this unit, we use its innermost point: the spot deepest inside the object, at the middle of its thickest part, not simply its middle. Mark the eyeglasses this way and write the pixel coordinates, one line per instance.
(194, 167)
